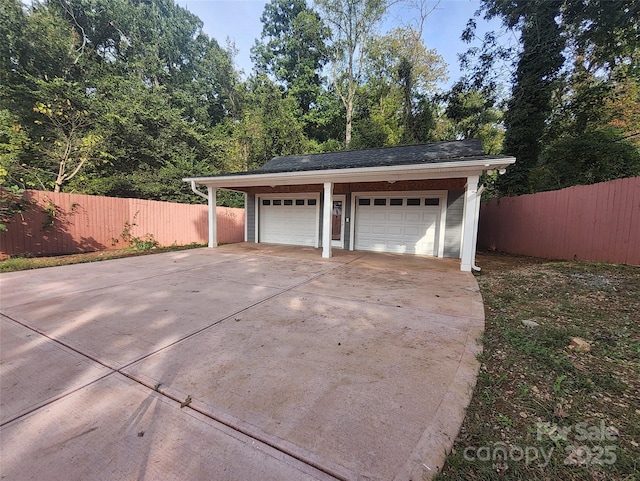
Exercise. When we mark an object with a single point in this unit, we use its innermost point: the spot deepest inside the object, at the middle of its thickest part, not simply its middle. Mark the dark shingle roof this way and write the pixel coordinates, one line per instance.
(470, 149)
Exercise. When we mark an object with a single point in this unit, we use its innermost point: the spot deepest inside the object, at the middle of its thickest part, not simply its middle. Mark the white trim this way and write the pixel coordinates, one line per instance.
(296, 195)
(326, 219)
(339, 244)
(437, 170)
(246, 224)
(476, 222)
(469, 224)
(212, 216)
(318, 233)
(442, 195)
(352, 223)
(256, 220)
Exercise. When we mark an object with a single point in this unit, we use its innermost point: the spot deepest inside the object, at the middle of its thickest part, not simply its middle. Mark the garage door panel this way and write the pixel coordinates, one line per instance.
(412, 232)
(398, 229)
(379, 238)
(288, 224)
(413, 217)
(378, 247)
(394, 247)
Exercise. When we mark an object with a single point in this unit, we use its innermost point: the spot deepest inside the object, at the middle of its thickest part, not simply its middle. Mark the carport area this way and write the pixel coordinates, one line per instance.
(244, 362)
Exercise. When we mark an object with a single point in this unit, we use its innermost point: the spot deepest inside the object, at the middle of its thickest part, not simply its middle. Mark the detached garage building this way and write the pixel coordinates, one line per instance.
(416, 199)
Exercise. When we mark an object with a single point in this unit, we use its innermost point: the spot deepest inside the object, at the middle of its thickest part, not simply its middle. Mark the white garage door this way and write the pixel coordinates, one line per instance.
(402, 225)
(287, 220)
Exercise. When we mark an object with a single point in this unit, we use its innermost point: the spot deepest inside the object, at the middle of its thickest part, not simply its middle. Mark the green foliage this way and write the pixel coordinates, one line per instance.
(557, 385)
(51, 213)
(292, 48)
(565, 106)
(475, 116)
(12, 202)
(228, 198)
(271, 125)
(126, 98)
(111, 97)
(353, 25)
(145, 243)
(504, 421)
(325, 123)
(536, 73)
(399, 72)
(591, 136)
(67, 142)
(25, 262)
(14, 141)
(594, 156)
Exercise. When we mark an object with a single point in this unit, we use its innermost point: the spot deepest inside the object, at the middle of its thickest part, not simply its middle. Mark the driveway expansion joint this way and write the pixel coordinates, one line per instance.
(348, 449)
(235, 314)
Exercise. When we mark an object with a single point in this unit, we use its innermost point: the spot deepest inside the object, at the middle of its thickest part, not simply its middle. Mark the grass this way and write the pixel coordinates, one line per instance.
(541, 411)
(21, 263)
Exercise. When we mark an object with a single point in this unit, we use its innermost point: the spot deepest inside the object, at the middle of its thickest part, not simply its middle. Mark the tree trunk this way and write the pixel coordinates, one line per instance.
(349, 119)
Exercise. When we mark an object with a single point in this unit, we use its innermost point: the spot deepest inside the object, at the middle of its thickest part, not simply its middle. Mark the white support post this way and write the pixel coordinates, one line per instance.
(326, 219)
(213, 227)
(477, 223)
(246, 227)
(469, 224)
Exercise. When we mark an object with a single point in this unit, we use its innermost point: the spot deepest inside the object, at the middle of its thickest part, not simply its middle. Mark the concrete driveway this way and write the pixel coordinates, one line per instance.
(244, 362)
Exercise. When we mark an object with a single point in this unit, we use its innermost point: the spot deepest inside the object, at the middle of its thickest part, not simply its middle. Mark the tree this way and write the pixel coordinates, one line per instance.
(598, 156)
(271, 125)
(292, 48)
(12, 23)
(353, 25)
(594, 135)
(399, 71)
(14, 141)
(605, 34)
(571, 54)
(70, 145)
(475, 115)
(112, 97)
(621, 109)
(535, 79)
(146, 138)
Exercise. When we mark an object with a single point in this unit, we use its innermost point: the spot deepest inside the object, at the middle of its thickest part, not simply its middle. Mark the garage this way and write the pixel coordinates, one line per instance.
(289, 220)
(408, 199)
(401, 224)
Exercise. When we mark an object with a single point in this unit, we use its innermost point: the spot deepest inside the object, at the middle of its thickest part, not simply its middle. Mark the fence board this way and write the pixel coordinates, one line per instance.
(599, 222)
(86, 223)
(634, 225)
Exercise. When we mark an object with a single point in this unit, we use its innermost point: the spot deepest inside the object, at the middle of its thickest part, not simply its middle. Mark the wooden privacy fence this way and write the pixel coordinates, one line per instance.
(59, 223)
(599, 222)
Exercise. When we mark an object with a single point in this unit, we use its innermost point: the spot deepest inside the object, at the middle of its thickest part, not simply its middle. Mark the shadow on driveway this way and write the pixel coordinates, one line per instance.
(242, 362)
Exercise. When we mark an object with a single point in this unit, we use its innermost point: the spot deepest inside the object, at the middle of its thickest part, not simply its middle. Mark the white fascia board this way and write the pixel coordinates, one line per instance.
(442, 170)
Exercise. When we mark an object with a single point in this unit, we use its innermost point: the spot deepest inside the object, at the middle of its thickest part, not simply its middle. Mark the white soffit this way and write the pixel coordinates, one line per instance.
(393, 173)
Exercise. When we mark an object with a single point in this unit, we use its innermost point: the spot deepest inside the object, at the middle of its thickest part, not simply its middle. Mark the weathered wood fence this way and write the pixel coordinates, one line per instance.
(59, 223)
(599, 222)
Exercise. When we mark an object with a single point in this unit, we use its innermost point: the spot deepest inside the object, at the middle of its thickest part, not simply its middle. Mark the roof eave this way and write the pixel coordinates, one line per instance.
(439, 170)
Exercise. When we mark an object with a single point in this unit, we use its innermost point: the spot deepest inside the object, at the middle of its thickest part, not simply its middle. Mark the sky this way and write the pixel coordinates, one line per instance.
(239, 22)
